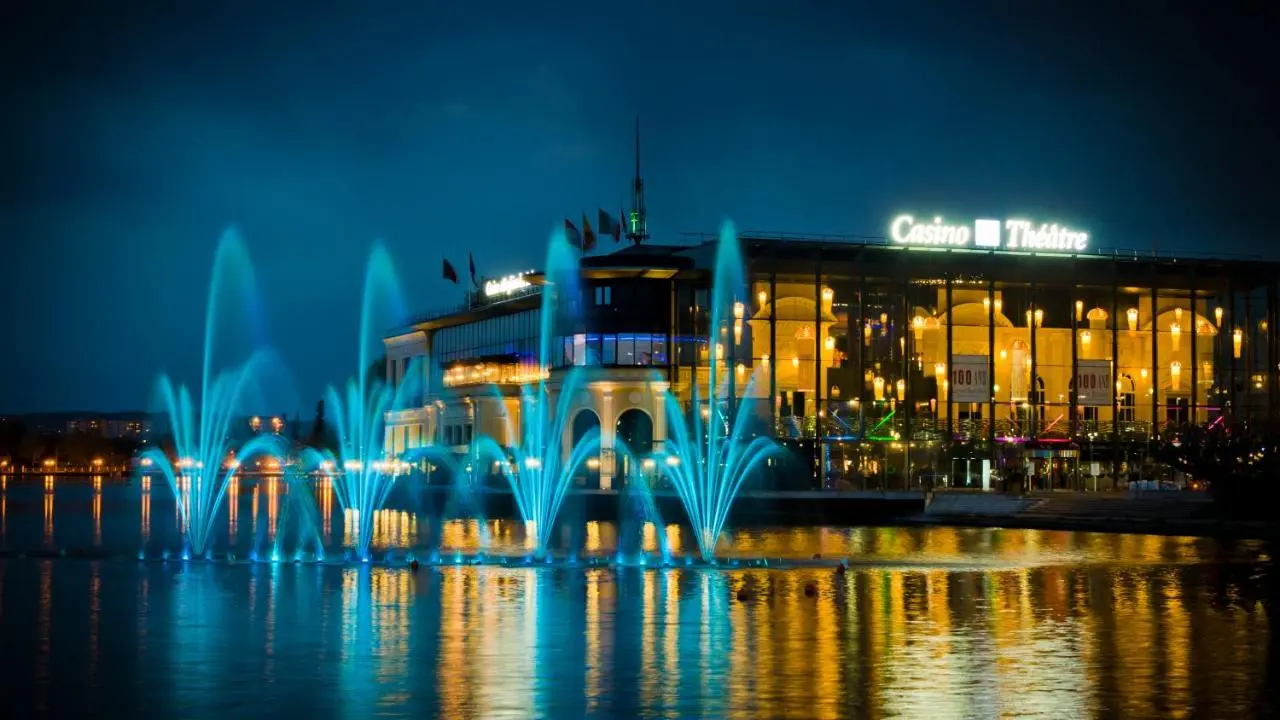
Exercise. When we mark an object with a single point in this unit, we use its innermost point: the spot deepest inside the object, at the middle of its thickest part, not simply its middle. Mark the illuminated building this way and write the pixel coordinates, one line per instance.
(939, 353)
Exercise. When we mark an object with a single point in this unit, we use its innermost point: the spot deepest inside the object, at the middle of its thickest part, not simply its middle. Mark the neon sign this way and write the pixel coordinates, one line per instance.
(1010, 234)
(505, 286)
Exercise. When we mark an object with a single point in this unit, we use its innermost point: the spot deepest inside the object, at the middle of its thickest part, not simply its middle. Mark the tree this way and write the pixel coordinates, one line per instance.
(1240, 463)
(321, 436)
(376, 373)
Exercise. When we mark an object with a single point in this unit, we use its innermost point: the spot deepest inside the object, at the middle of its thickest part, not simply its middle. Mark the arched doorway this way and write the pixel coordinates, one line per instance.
(583, 423)
(635, 432)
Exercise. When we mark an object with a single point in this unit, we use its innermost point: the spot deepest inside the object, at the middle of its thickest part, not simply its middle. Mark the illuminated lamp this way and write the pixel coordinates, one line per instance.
(1237, 340)
(1079, 310)
(1217, 316)
(1132, 314)
(902, 389)
(1175, 375)
(1175, 334)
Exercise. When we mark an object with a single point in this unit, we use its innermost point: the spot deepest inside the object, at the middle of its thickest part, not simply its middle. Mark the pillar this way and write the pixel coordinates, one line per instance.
(608, 434)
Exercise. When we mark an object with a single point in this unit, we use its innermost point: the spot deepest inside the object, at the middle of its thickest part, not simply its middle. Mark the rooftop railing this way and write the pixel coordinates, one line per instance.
(695, 239)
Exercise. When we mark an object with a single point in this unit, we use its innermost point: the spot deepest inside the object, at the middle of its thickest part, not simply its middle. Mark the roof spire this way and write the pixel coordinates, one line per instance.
(637, 221)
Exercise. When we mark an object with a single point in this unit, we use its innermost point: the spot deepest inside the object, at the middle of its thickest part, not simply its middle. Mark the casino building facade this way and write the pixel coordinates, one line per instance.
(958, 355)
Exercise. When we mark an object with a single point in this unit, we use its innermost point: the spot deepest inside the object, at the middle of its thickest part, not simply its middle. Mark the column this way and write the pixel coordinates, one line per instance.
(1072, 386)
(1155, 360)
(1228, 345)
(819, 410)
(1115, 358)
(991, 370)
(773, 346)
(659, 422)
(608, 433)
(1271, 374)
(1033, 395)
(908, 416)
(1194, 408)
(946, 396)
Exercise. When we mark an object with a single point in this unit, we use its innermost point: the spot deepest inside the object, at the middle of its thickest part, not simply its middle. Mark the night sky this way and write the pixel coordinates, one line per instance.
(135, 133)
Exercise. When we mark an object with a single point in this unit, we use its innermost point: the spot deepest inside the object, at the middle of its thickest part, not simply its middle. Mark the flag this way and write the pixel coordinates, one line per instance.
(472, 260)
(572, 235)
(449, 273)
(610, 226)
(588, 235)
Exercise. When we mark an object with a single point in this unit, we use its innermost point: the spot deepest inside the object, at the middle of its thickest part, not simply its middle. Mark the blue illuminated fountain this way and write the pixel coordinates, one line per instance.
(363, 476)
(539, 475)
(207, 457)
(712, 451)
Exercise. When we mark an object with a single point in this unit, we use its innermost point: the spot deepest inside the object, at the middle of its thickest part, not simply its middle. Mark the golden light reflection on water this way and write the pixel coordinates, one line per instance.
(959, 622)
(146, 509)
(233, 509)
(490, 630)
(48, 510)
(1058, 640)
(97, 510)
(326, 507)
(273, 505)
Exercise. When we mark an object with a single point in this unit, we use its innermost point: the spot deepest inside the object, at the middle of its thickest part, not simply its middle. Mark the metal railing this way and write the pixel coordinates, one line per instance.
(693, 239)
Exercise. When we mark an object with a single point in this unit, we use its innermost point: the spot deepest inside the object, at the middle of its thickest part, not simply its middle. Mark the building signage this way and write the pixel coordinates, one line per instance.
(1093, 383)
(505, 286)
(970, 378)
(1010, 234)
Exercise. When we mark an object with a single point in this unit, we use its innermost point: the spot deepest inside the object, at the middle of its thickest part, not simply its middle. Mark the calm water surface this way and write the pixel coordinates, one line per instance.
(936, 623)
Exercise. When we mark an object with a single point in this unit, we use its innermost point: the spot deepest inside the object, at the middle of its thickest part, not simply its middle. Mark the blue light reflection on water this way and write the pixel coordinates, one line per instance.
(947, 623)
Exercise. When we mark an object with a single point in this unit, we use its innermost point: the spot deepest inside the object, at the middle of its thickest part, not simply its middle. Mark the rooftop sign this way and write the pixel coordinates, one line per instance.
(505, 286)
(1009, 234)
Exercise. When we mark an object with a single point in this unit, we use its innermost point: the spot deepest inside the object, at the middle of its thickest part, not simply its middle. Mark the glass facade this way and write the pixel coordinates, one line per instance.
(885, 367)
(513, 334)
(909, 369)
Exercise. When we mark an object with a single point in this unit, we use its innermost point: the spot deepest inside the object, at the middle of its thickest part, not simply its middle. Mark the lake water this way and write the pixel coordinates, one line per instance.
(927, 622)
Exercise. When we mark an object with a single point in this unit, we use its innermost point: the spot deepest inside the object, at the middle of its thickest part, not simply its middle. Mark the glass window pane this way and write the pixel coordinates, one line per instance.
(643, 352)
(659, 350)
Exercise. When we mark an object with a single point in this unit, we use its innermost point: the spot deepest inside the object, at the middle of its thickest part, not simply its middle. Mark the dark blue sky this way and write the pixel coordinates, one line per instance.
(135, 133)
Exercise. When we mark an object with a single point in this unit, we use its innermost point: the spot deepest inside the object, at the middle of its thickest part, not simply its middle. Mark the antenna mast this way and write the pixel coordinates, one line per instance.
(637, 222)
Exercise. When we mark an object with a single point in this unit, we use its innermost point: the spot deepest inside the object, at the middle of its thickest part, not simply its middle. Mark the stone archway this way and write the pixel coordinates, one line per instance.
(584, 422)
(634, 432)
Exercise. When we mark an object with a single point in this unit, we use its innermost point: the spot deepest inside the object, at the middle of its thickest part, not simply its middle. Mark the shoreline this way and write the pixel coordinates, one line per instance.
(1169, 527)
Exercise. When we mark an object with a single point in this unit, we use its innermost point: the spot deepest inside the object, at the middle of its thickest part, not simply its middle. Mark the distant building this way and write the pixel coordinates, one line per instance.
(109, 427)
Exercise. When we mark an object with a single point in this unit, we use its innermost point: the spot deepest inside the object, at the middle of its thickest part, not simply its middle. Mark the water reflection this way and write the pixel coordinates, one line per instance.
(946, 622)
(1114, 638)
